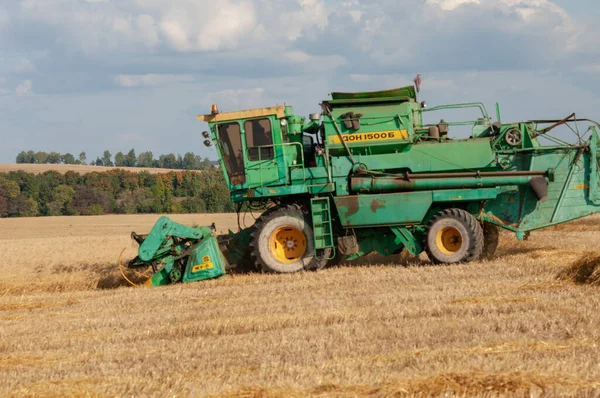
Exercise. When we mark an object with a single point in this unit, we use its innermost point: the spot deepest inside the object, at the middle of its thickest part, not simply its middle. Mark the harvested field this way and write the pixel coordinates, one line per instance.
(386, 327)
(79, 168)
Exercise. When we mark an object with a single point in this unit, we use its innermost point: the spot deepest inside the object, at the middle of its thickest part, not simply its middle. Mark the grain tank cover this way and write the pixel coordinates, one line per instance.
(395, 95)
(369, 123)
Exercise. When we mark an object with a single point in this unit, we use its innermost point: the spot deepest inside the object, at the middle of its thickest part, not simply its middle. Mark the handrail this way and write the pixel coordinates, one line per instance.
(466, 105)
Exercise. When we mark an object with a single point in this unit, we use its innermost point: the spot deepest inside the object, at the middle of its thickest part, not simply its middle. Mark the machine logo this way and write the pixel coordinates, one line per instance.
(207, 264)
(369, 137)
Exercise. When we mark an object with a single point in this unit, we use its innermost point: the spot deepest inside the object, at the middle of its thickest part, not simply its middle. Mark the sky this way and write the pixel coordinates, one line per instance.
(91, 75)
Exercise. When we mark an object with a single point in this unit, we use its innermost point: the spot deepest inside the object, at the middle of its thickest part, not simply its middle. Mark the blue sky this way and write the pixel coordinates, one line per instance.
(90, 75)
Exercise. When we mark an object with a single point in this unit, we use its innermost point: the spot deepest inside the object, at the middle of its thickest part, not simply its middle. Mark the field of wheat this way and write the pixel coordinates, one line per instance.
(385, 327)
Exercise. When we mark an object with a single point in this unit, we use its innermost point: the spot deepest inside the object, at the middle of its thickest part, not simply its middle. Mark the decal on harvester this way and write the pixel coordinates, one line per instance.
(369, 137)
(581, 186)
(206, 264)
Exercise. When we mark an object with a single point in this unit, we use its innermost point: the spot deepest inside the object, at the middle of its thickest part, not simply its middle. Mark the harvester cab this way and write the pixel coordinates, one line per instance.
(367, 174)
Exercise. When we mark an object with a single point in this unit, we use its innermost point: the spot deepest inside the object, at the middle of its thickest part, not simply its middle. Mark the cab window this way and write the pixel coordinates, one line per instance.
(230, 138)
(259, 135)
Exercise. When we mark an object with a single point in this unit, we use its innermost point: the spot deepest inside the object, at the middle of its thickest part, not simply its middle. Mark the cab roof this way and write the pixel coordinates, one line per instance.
(279, 111)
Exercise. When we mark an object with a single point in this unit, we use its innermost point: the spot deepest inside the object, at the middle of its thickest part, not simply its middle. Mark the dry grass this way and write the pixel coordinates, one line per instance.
(79, 168)
(585, 270)
(500, 327)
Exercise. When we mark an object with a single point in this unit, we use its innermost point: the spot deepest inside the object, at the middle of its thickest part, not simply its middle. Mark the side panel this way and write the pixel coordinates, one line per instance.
(453, 155)
(401, 208)
(383, 209)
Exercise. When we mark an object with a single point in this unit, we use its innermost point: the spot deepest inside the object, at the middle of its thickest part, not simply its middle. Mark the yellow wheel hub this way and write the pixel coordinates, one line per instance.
(449, 240)
(287, 244)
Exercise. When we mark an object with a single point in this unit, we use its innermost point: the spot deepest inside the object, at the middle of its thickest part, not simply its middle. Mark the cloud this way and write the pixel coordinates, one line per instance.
(187, 28)
(307, 62)
(15, 64)
(448, 35)
(151, 79)
(450, 5)
(232, 99)
(187, 54)
(25, 88)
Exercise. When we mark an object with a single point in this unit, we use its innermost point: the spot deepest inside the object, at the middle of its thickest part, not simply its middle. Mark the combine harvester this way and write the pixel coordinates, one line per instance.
(368, 175)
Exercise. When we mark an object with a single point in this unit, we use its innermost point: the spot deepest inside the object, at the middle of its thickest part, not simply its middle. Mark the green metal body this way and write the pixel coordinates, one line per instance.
(369, 166)
(371, 174)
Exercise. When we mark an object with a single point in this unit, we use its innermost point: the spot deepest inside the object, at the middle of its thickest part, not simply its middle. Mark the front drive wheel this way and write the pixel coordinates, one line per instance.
(453, 236)
(283, 242)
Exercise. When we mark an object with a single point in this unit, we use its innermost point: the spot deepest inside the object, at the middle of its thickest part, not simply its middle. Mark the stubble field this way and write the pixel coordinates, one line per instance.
(392, 327)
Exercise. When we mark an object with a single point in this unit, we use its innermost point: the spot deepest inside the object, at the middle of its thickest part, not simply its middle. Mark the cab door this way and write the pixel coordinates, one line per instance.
(229, 141)
(264, 157)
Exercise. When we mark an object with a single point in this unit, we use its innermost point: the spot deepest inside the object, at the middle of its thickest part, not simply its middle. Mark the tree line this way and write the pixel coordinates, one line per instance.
(117, 191)
(189, 161)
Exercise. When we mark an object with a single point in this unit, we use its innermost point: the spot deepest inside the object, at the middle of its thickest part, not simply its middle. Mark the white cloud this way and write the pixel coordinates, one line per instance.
(231, 99)
(314, 62)
(451, 4)
(207, 26)
(15, 64)
(25, 88)
(151, 79)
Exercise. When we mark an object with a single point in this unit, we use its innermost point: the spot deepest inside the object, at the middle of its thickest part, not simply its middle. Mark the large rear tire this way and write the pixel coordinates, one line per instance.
(453, 236)
(282, 242)
(491, 238)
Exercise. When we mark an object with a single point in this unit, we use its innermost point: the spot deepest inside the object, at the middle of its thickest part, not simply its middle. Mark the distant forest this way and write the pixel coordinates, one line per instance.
(189, 161)
(118, 191)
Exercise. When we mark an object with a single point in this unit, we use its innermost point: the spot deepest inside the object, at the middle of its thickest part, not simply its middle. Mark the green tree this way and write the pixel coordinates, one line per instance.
(9, 191)
(193, 205)
(145, 159)
(191, 161)
(30, 157)
(168, 161)
(125, 203)
(206, 164)
(21, 157)
(98, 162)
(82, 158)
(22, 206)
(68, 158)
(61, 200)
(130, 158)
(53, 158)
(93, 210)
(106, 159)
(119, 159)
(41, 157)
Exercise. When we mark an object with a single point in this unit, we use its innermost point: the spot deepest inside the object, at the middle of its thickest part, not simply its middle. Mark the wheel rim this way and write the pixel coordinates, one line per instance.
(449, 240)
(287, 244)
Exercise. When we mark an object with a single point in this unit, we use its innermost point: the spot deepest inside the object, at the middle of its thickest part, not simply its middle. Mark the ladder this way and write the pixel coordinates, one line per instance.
(321, 218)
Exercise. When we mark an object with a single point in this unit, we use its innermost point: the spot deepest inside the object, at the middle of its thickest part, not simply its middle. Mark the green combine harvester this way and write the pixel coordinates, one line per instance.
(368, 175)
